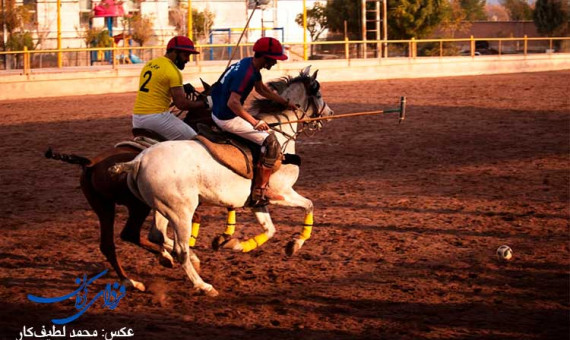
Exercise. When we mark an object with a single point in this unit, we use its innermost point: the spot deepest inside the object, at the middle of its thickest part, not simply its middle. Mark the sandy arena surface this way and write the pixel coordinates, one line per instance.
(407, 221)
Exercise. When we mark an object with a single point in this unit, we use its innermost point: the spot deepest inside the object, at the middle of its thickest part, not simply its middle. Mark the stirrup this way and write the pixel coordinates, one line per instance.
(263, 198)
(259, 200)
(259, 203)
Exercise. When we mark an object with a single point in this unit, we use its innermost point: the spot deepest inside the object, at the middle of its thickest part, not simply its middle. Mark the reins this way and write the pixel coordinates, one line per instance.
(192, 94)
(300, 116)
(302, 128)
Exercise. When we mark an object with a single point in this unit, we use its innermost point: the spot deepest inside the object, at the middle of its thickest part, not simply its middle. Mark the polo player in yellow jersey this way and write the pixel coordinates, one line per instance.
(161, 80)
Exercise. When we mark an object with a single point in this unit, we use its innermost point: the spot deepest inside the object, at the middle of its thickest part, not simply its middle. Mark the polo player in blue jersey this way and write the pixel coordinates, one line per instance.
(229, 95)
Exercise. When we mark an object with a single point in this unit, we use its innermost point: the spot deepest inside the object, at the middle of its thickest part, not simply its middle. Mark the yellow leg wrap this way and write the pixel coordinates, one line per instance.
(308, 227)
(253, 243)
(231, 226)
(194, 235)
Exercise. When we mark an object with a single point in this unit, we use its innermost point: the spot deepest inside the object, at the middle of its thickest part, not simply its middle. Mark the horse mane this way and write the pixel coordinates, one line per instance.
(262, 105)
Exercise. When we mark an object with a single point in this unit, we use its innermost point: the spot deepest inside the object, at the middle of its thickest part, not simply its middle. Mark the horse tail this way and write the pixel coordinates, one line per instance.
(131, 168)
(72, 159)
(128, 167)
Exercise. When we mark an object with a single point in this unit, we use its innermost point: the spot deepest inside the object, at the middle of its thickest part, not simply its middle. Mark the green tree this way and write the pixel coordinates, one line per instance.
(518, 9)
(17, 20)
(18, 40)
(414, 18)
(316, 21)
(454, 19)
(551, 17)
(141, 28)
(201, 22)
(15, 17)
(97, 37)
(9, 17)
(474, 9)
(406, 18)
(337, 11)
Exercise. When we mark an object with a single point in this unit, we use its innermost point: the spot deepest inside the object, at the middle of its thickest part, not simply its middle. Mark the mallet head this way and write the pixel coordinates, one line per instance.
(402, 109)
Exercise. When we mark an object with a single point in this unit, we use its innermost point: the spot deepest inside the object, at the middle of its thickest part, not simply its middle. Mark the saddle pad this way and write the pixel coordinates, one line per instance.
(139, 143)
(146, 141)
(131, 144)
(240, 162)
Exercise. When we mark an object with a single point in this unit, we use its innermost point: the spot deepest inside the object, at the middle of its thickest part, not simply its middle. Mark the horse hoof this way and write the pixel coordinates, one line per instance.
(212, 292)
(292, 247)
(132, 283)
(139, 285)
(130, 238)
(220, 241)
(155, 236)
(233, 244)
(166, 261)
(208, 290)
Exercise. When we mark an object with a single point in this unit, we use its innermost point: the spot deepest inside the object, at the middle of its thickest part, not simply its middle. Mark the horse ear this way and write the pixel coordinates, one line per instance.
(314, 77)
(206, 86)
(306, 70)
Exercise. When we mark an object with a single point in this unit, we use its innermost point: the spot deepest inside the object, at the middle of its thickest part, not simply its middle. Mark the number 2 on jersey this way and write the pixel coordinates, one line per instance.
(147, 75)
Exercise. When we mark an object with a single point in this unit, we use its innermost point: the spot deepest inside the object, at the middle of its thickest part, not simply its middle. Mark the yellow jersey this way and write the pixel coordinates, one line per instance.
(156, 79)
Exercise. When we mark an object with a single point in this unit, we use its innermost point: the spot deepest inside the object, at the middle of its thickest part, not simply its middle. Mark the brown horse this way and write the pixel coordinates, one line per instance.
(104, 191)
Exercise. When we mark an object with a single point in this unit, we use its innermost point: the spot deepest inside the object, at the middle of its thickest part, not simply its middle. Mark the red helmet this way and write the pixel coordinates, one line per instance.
(181, 43)
(270, 48)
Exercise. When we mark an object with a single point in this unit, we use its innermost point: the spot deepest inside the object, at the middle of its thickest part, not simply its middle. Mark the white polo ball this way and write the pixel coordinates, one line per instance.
(504, 253)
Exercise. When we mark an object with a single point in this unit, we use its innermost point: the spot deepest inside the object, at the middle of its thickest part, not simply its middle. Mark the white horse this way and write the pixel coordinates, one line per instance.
(174, 177)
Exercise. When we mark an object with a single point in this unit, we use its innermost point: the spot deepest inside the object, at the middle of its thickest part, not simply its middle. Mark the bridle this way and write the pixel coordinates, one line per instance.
(316, 125)
(192, 94)
(312, 90)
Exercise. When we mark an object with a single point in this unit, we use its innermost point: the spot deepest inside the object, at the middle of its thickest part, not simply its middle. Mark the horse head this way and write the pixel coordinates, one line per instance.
(304, 91)
(207, 88)
(203, 116)
(316, 106)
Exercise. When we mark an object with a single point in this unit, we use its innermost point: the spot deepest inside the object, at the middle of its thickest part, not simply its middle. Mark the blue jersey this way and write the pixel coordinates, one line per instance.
(239, 78)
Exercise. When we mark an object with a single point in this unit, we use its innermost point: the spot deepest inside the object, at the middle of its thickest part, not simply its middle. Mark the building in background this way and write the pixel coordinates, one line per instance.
(275, 18)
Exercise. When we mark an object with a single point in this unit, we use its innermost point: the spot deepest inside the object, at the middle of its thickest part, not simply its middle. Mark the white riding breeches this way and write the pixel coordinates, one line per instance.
(239, 126)
(166, 124)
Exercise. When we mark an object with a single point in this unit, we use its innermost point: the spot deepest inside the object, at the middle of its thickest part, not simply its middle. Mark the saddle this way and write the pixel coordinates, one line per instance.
(236, 153)
(143, 138)
(146, 133)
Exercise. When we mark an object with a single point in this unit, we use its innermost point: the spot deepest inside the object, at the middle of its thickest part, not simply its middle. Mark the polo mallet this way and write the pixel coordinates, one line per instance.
(242, 34)
(401, 110)
(233, 52)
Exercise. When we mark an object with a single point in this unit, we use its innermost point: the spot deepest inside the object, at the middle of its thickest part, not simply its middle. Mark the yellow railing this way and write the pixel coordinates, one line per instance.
(347, 49)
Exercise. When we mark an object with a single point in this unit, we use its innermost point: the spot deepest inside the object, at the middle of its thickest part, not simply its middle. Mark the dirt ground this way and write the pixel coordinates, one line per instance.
(407, 221)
